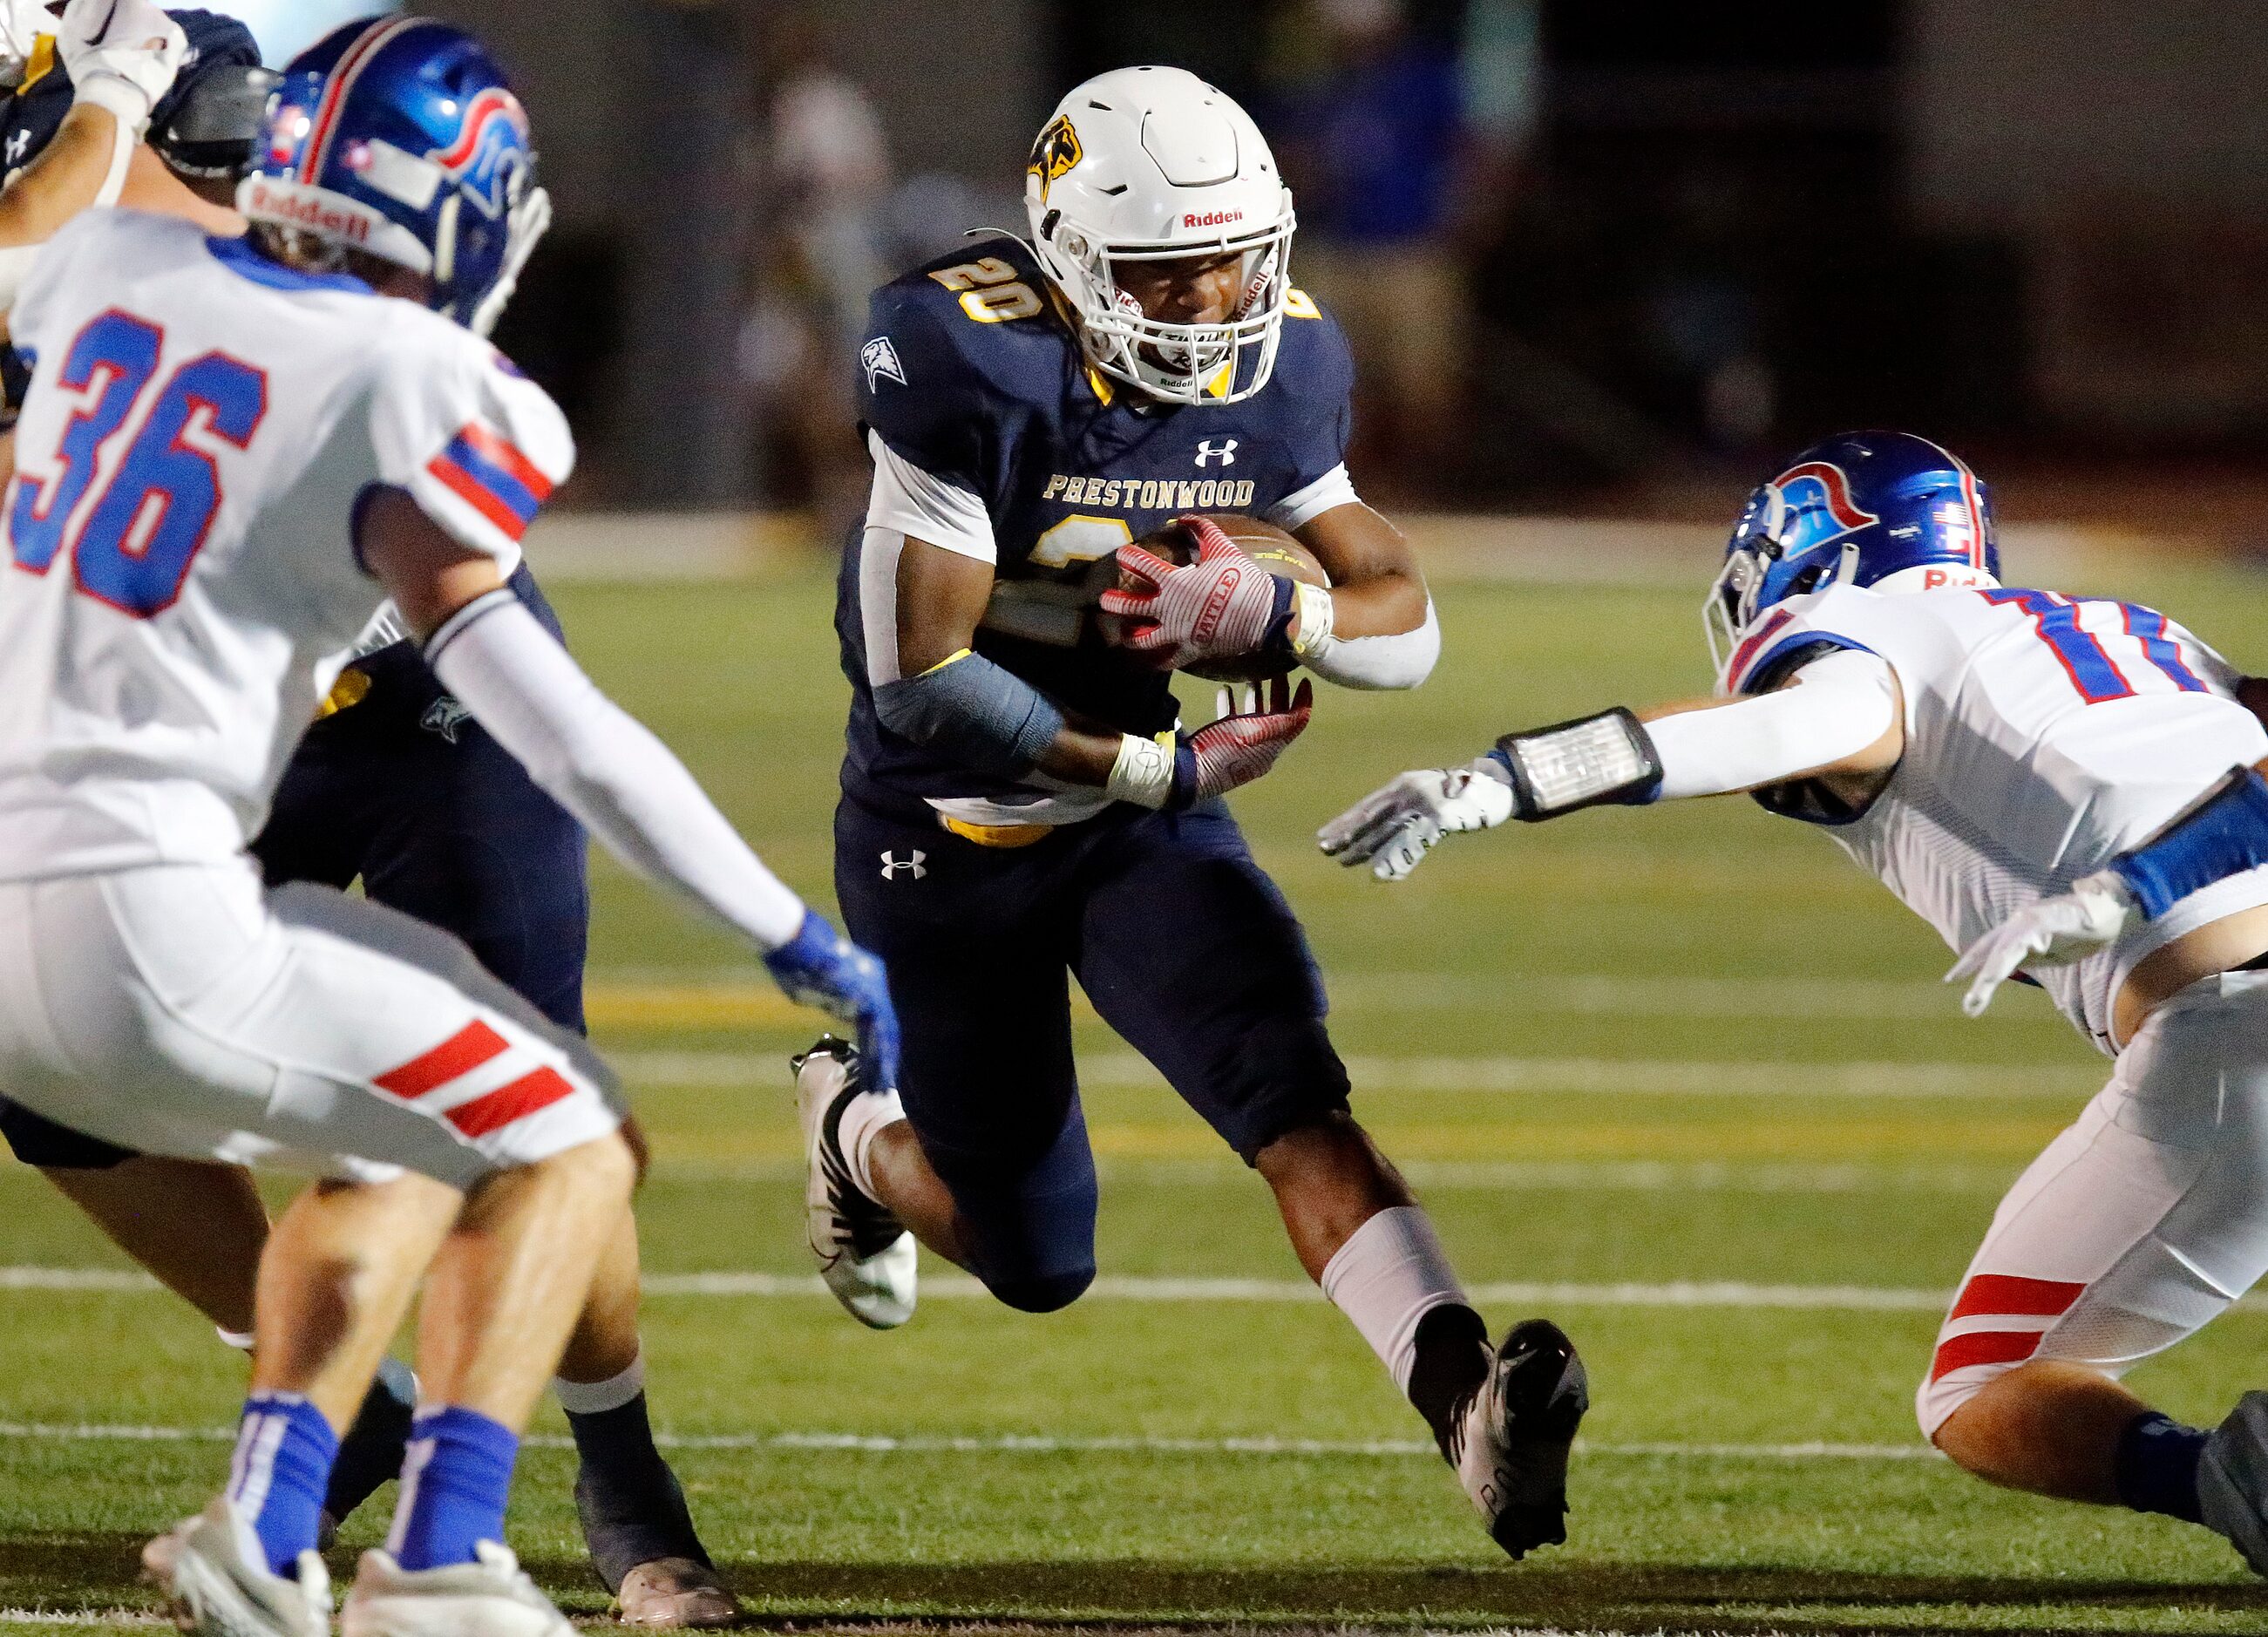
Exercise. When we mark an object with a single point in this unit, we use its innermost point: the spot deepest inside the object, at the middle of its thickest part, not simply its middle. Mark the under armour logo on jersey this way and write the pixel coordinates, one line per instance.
(444, 716)
(1207, 453)
(916, 864)
(19, 143)
(880, 360)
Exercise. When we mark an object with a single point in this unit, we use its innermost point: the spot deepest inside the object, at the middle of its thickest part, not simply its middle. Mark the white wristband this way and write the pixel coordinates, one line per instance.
(119, 98)
(1143, 771)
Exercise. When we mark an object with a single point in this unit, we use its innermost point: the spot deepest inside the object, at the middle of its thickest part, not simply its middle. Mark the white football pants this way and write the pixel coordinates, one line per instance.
(179, 1009)
(2139, 1224)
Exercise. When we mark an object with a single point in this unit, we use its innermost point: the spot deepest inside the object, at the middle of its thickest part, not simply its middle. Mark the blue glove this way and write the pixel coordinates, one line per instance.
(821, 968)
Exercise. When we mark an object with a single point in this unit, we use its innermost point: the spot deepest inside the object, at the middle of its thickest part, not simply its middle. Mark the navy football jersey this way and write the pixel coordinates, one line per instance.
(971, 370)
(31, 115)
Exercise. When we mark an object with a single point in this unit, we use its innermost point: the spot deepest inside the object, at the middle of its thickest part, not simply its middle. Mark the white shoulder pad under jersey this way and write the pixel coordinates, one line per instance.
(200, 430)
(2045, 735)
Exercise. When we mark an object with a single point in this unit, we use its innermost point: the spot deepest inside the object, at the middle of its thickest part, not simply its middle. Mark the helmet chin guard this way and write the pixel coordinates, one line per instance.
(1153, 165)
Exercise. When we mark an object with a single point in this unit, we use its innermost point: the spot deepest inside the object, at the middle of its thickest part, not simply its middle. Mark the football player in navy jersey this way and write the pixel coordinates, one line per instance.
(394, 785)
(1020, 806)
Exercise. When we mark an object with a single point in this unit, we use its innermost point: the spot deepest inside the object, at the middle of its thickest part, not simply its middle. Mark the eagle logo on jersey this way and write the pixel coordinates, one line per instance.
(1056, 151)
(490, 151)
(880, 360)
(444, 716)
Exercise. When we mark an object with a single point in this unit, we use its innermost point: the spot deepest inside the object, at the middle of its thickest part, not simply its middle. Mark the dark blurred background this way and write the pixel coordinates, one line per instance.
(1594, 255)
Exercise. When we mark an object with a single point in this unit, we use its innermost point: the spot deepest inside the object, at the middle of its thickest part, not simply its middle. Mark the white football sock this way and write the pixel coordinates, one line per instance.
(862, 1118)
(595, 1397)
(1390, 1273)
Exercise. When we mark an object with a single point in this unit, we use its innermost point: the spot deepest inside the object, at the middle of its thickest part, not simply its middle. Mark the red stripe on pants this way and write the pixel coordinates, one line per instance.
(1984, 1346)
(2006, 1292)
(460, 1054)
(511, 1102)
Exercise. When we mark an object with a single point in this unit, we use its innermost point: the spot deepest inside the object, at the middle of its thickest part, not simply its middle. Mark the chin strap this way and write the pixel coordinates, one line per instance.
(531, 219)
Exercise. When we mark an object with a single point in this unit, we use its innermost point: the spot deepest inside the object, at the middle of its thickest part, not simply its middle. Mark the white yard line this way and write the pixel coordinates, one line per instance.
(1761, 1176)
(961, 1288)
(82, 1617)
(1024, 1443)
(1596, 1076)
(957, 1287)
(1894, 998)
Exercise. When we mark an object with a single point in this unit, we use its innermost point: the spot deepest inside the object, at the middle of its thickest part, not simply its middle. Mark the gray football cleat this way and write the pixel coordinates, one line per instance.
(487, 1597)
(1510, 1444)
(2232, 1481)
(865, 1255)
(676, 1594)
(216, 1579)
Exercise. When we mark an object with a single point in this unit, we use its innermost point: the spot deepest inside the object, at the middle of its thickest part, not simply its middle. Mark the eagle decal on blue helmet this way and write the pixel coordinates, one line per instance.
(1884, 510)
(400, 137)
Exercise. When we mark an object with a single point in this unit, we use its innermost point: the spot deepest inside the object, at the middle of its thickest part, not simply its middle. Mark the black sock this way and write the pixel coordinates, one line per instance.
(2156, 1466)
(370, 1452)
(632, 1508)
(1451, 1359)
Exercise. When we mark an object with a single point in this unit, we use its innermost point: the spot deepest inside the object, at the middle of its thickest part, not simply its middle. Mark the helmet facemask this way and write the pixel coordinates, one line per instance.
(1176, 363)
(1749, 583)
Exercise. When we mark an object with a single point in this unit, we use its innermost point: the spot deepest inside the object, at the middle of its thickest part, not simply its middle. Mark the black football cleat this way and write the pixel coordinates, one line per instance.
(1510, 1440)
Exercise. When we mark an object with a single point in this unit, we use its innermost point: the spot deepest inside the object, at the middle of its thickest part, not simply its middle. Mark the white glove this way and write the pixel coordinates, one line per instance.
(2094, 915)
(120, 55)
(1393, 828)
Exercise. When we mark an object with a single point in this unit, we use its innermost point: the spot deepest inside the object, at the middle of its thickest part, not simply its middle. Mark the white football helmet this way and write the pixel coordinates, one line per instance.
(22, 22)
(1153, 164)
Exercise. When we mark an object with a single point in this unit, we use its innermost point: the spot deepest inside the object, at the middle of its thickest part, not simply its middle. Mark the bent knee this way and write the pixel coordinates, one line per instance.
(1045, 1292)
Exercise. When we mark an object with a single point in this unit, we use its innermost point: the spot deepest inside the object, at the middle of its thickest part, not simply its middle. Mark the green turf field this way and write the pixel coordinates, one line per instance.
(1686, 1066)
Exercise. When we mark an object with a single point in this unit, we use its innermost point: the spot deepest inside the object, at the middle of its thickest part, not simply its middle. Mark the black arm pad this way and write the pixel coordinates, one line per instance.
(1584, 763)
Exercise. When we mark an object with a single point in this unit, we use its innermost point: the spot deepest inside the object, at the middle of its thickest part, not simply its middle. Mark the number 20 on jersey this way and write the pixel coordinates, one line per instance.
(133, 547)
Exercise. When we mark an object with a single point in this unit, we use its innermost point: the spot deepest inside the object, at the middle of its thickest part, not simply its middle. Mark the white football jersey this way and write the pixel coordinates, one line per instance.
(2045, 736)
(201, 428)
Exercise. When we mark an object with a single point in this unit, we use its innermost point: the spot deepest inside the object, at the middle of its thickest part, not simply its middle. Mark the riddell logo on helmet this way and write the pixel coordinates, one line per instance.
(1211, 218)
(303, 211)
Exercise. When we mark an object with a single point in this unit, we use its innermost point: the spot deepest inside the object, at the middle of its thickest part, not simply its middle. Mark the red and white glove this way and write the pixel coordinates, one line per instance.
(1178, 771)
(1221, 606)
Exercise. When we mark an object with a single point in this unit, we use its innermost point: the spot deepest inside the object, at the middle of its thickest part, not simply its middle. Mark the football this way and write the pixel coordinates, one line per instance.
(1265, 544)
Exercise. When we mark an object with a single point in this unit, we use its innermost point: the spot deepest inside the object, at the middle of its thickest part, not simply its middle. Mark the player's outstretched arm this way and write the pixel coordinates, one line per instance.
(122, 59)
(605, 767)
(932, 686)
(1837, 717)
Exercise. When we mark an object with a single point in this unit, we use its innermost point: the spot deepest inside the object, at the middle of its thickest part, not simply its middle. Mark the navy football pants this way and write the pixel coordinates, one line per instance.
(1184, 946)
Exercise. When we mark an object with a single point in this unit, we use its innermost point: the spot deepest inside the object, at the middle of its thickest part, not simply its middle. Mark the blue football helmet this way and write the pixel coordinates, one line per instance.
(399, 137)
(1886, 510)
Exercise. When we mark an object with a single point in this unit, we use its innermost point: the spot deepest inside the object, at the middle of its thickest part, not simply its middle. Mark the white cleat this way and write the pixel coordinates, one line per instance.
(1510, 1445)
(488, 1597)
(2232, 1481)
(216, 1579)
(865, 1255)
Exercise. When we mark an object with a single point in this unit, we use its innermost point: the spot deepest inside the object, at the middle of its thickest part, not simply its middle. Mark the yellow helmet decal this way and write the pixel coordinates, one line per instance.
(1056, 151)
